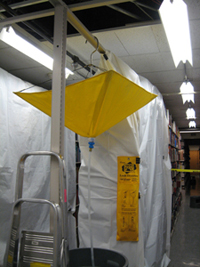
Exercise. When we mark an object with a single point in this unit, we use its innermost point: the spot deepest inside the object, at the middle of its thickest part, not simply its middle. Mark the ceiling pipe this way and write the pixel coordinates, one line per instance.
(77, 24)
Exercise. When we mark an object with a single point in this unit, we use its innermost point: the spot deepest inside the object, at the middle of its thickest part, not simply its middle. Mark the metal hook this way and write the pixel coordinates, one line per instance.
(94, 50)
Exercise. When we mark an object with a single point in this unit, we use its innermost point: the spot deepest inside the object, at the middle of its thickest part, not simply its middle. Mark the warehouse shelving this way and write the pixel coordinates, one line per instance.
(176, 154)
(78, 164)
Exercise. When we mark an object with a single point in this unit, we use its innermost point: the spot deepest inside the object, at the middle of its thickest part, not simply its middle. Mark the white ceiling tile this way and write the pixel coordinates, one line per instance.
(169, 87)
(196, 84)
(111, 42)
(164, 76)
(193, 8)
(150, 62)
(196, 58)
(174, 100)
(195, 76)
(3, 45)
(108, 40)
(138, 40)
(195, 33)
(160, 38)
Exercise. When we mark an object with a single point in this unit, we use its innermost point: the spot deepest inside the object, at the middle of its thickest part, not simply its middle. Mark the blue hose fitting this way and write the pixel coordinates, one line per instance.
(91, 143)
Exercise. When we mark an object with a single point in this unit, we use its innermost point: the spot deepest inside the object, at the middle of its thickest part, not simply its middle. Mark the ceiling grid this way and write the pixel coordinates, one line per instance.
(141, 43)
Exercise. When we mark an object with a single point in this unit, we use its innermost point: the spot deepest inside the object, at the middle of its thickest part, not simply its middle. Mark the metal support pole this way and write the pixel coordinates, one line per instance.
(58, 96)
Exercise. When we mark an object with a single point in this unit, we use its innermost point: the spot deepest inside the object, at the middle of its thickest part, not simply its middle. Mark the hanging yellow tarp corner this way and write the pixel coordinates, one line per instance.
(96, 104)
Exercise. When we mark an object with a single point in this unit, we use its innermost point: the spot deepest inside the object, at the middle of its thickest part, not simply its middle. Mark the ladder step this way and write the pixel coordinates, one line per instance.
(34, 259)
(36, 247)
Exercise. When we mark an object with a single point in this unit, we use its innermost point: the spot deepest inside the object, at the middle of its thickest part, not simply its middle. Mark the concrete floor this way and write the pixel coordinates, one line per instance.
(185, 241)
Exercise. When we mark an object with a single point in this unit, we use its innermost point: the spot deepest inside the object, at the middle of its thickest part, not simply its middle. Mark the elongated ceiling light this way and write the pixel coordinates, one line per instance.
(190, 113)
(9, 36)
(187, 92)
(192, 124)
(174, 17)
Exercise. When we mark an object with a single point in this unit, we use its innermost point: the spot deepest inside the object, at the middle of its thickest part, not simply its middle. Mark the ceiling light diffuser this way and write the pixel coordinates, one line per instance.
(187, 92)
(9, 36)
(174, 17)
(192, 124)
(190, 113)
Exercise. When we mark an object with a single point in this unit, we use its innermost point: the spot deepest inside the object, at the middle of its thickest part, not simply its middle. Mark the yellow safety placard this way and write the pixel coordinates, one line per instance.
(127, 199)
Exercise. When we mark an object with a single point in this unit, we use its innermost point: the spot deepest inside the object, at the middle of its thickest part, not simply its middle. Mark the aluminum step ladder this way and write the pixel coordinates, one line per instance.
(31, 248)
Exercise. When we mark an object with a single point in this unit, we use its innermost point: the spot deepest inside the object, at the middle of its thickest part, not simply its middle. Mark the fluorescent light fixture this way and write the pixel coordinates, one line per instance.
(9, 36)
(192, 124)
(190, 113)
(174, 17)
(187, 92)
(189, 131)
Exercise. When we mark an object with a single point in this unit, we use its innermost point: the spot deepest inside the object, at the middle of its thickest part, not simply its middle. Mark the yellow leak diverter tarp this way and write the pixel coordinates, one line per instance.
(96, 104)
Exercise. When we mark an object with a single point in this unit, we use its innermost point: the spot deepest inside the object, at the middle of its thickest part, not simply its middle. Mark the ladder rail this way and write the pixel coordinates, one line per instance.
(59, 209)
(57, 214)
(62, 181)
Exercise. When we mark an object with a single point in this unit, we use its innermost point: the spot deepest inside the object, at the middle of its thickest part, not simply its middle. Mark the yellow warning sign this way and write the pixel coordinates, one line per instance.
(39, 264)
(127, 198)
(10, 259)
(185, 170)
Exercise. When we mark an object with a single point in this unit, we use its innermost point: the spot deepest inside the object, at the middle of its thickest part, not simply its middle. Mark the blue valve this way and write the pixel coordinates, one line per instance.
(91, 143)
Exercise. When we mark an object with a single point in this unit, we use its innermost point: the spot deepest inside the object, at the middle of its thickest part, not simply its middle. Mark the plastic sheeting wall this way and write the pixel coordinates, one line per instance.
(25, 129)
(155, 179)
(142, 134)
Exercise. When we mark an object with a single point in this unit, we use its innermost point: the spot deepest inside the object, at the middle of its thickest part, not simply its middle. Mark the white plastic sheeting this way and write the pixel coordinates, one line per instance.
(143, 134)
(155, 180)
(25, 129)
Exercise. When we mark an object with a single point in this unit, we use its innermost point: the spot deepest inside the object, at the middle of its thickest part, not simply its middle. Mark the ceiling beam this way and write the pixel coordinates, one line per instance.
(73, 7)
(74, 21)
(125, 12)
(26, 17)
(94, 4)
(147, 14)
(24, 4)
(144, 5)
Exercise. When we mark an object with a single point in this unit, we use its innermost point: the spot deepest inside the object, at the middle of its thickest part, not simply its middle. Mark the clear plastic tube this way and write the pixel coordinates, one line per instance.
(89, 211)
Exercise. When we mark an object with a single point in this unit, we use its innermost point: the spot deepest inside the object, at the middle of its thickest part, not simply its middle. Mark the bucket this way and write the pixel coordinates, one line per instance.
(81, 257)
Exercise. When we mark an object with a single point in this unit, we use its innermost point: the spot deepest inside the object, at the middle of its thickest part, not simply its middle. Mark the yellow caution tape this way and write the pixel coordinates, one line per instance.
(185, 170)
